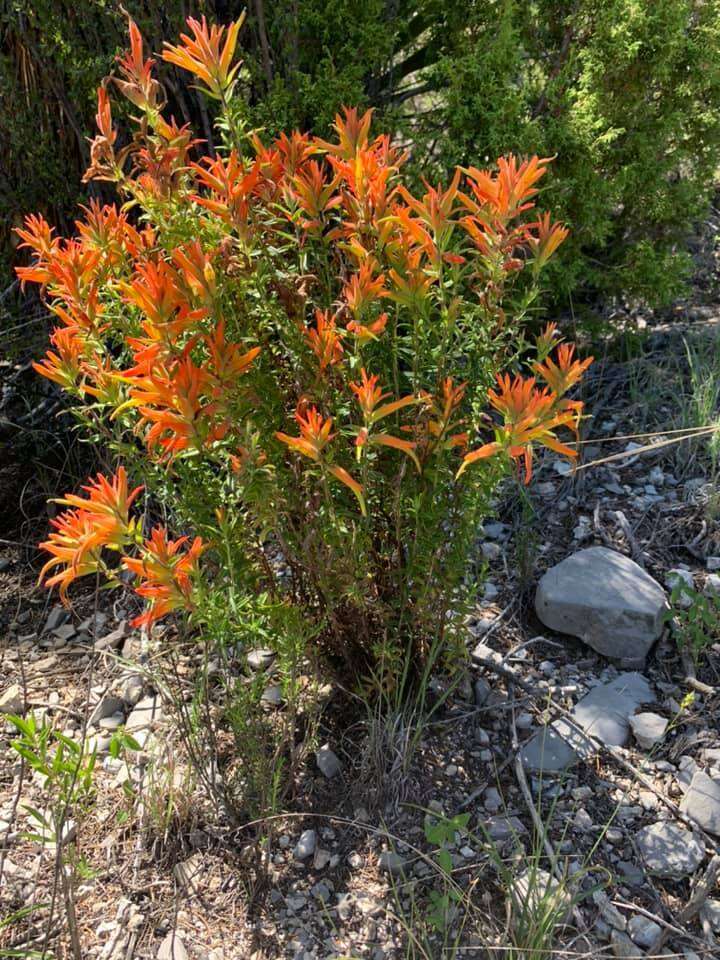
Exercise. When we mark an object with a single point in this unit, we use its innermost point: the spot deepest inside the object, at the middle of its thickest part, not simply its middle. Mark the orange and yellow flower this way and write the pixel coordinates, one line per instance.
(63, 364)
(530, 415)
(325, 340)
(564, 374)
(100, 520)
(369, 395)
(166, 573)
(205, 55)
(314, 432)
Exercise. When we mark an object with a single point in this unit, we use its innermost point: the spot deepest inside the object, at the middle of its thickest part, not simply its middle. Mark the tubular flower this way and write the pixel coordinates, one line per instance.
(314, 195)
(105, 230)
(37, 235)
(366, 196)
(549, 237)
(545, 341)
(156, 291)
(74, 545)
(365, 332)
(109, 501)
(162, 163)
(325, 340)
(231, 184)
(293, 151)
(196, 270)
(174, 403)
(435, 211)
(227, 362)
(166, 573)
(564, 374)
(314, 433)
(530, 415)
(363, 289)
(508, 192)
(63, 365)
(68, 269)
(103, 165)
(100, 520)
(138, 84)
(314, 437)
(441, 408)
(411, 282)
(369, 395)
(206, 56)
(353, 133)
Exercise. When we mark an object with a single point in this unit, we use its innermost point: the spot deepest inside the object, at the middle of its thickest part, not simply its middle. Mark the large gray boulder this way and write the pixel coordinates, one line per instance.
(605, 599)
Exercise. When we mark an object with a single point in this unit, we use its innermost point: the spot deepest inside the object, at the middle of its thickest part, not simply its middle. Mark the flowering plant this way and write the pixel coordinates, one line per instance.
(307, 363)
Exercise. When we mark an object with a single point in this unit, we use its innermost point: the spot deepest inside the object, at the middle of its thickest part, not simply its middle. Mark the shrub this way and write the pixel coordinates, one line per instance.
(295, 355)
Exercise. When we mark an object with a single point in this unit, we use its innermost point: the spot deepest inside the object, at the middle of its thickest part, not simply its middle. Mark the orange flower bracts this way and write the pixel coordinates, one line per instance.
(282, 333)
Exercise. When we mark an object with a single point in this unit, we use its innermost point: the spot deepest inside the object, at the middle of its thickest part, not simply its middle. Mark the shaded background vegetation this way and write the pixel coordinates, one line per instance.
(624, 92)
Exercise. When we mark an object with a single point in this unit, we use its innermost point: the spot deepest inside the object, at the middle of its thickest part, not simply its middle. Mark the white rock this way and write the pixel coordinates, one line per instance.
(711, 911)
(669, 850)
(144, 713)
(605, 599)
(648, 729)
(57, 616)
(608, 911)
(657, 476)
(106, 707)
(112, 640)
(622, 946)
(272, 696)
(481, 691)
(305, 846)
(11, 700)
(702, 802)
(187, 872)
(536, 890)
(391, 862)
(113, 722)
(133, 689)
(712, 585)
(261, 658)
(327, 762)
(502, 828)
(643, 931)
(491, 551)
(172, 948)
(604, 713)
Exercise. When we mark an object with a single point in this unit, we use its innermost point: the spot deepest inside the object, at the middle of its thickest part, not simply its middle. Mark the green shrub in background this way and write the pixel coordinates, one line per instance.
(626, 93)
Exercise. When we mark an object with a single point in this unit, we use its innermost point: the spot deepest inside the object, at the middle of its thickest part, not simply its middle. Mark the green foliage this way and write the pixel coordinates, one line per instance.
(66, 770)
(440, 833)
(694, 619)
(625, 93)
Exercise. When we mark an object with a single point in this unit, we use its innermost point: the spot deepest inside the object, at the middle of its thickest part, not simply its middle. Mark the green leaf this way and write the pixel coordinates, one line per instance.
(444, 860)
